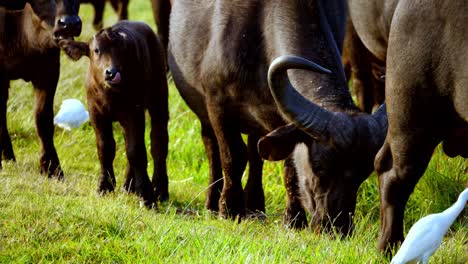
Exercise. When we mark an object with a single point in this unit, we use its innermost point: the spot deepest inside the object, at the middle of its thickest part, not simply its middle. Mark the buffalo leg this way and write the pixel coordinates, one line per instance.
(295, 216)
(254, 195)
(129, 184)
(6, 149)
(159, 113)
(415, 127)
(215, 186)
(105, 144)
(397, 179)
(161, 12)
(44, 92)
(133, 124)
(121, 7)
(233, 158)
(358, 62)
(98, 13)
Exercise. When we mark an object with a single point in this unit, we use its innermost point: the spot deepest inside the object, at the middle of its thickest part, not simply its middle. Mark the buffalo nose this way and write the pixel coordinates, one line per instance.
(70, 23)
(110, 73)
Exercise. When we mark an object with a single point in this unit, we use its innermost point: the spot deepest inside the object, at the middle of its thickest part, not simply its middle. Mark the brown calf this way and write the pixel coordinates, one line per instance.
(126, 76)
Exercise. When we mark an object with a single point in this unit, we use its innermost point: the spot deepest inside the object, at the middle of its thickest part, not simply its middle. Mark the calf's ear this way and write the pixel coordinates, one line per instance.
(280, 143)
(74, 49)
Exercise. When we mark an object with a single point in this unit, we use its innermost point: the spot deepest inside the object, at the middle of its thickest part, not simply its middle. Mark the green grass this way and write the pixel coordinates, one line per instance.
(43, 220)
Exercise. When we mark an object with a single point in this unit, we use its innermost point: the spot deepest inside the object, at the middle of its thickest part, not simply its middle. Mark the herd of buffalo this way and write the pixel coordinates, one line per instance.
(276, 71)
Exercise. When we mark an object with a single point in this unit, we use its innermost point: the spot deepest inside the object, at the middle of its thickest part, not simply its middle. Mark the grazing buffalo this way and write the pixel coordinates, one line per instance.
(126, 76)
(29, 50)
(223, 57)
(120, 7)
(427, 99)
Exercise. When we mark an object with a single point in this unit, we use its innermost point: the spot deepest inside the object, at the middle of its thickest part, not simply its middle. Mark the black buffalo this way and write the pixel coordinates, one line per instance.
(223, 57)
(424, 47)
(29, 51)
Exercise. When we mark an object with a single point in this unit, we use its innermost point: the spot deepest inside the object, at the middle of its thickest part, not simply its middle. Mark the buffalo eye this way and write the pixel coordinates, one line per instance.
(96, 50)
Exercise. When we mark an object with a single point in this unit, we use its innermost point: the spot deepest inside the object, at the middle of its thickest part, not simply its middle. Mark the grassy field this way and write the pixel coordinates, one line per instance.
(43, 220)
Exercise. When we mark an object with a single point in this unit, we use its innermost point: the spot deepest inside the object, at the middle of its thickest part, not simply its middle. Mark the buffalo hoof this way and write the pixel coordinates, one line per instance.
(147, 198)
(296, 219)
(50, 166)
(106, 185)
(212, 200)
(162, 197)
(231, 203)
(129, 185)
(52, 171)
(258, 215)
(255, 204)
(386, 246)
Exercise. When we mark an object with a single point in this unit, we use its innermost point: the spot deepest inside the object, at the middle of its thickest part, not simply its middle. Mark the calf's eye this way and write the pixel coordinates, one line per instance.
(96, 50)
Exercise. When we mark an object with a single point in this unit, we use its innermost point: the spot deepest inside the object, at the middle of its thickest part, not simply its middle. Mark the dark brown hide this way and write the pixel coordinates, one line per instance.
(28, 51)
(126, 76)
(427, 99)
(119, 6)
(425, 93)
(219, 55)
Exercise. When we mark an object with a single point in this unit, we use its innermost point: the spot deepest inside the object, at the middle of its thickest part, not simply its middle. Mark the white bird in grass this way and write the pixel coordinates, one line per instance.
(72, 114)
(426, 235)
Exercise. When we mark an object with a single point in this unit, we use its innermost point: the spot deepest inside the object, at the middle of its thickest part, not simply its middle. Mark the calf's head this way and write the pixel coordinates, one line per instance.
(333, 152)
(110, 51)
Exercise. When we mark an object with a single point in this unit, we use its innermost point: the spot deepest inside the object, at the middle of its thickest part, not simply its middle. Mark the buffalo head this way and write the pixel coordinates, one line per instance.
(333, 152)
(59, 15)
(67, 22)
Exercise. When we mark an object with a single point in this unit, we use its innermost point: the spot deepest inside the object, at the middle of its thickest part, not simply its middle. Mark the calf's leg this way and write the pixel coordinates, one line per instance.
(105, 144)
(159, 144)
(133, 124)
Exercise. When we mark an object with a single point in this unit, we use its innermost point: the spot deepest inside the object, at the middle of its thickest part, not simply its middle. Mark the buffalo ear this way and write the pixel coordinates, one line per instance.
(74, 49)
(280, 143)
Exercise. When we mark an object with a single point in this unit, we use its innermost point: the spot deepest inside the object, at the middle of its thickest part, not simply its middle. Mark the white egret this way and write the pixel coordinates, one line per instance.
(426, 235)
(72, 114)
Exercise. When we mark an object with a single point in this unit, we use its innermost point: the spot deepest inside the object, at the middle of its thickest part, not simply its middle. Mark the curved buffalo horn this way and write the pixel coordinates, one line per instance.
(313, 119)
(302, 112)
